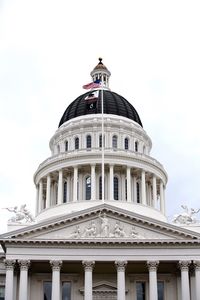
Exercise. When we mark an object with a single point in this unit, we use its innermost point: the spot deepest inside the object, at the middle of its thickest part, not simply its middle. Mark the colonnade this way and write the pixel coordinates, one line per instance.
(150, 188)
(88, 266)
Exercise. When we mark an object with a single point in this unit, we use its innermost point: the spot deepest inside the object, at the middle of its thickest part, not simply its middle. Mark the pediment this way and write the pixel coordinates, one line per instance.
(103, 223)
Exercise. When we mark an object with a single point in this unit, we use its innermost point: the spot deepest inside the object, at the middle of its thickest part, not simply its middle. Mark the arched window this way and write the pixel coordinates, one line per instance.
(76, 143)
(88, 188)
(88, 141)
(100, 188)
(116, 188)
(65, 192)
(126, 143)
(66, 146)
(138, 192)
(100, 141)
(136, 146)
(114, 141)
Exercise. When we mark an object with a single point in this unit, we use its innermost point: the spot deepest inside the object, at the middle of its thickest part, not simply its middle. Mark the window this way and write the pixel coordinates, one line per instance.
(160, 290)
(76, 143)
(114, 141)
(2, 292)
(88, 188)
(66, 146)
(100, 141)
(126, 189)
(136, 146)
(58, 149)
(66, 291)
(100, 188)
(116, 188)
(88, 141)
(65, 192)
(140, 290)
(47, 287)
(126, 144)
(138, 192)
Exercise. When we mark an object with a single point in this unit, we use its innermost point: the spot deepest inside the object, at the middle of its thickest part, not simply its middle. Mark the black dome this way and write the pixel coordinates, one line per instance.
(113, 104)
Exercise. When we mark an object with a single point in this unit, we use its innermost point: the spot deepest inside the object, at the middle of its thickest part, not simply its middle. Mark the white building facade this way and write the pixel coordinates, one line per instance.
(100, 230)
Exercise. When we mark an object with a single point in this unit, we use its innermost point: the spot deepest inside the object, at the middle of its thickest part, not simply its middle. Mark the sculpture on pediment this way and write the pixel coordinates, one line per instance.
(104, 225)
(77, 233)
(90, 230)
(187, 217)
(134, 233)
(21, 215)
(118, 230)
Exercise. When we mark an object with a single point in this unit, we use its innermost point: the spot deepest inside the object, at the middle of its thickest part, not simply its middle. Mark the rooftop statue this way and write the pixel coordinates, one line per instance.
(186, 217)
(21, 215)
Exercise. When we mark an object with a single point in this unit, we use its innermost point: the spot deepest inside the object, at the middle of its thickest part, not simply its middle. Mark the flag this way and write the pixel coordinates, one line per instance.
(92, 85)
(92, 96)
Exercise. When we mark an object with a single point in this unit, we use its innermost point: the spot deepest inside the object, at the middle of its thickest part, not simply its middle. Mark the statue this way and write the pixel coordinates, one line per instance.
(21, 214)
(134, 233)
(77, 233)
(90, 231)
(104, 225)
(186, 217)
(118, 230)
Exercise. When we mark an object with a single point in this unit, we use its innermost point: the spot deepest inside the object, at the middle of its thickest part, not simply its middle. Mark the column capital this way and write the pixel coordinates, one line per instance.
(120, 265)
(56, 265)
(9, 264)
(24, 264)
(184, 264)
(152, 265)
(88, 265)
(196, 264)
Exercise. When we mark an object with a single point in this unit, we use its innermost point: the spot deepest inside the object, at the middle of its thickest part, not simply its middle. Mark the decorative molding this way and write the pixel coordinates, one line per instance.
(9, 264)
(196, 264)
(24, 264)
(56, 265)
(121, 265)
(152, 265)
(88, 265)
(184, 265)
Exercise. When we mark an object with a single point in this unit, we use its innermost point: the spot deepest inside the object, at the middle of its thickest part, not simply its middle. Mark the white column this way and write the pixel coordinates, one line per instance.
(153, 289)
(185, 286)
(121, 290)
(111, 182)
(75, 184)
(23, 281)
(9, 264)
(143, 187)
(162, 204)
(48, 195)
(93, 183)
(56, 265)
(196, 264)
(88, 267)
(128, 178)
(134, 189)
(154, 192)
(37, 200)
(40, 195)
(60, 187)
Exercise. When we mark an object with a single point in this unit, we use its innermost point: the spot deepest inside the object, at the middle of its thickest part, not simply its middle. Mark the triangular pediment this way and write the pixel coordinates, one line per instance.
(104, 223)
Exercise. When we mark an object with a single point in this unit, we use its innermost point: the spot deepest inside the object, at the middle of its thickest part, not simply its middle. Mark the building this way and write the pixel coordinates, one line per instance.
(101, 230)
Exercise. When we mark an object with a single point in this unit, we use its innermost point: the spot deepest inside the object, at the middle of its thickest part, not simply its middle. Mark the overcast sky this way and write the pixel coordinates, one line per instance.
(47, 50)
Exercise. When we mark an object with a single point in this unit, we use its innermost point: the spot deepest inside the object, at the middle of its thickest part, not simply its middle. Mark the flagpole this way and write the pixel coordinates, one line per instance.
(102, 144)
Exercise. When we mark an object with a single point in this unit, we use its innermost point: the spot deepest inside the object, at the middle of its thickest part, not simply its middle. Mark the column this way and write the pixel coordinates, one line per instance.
(60, 187)
(153, 289)
(9, 264)
(196, 264)
(75, 187)
(37, 200)
(121, 291)
(128, 178)
(134, 189)
(154, 192)
(23, 281)
(88, 267)
(185, 287)
(111, 182)
(48, 195)
(162, 204)
(56, 265)
(143, 187)
(40, 195)
(93, 183)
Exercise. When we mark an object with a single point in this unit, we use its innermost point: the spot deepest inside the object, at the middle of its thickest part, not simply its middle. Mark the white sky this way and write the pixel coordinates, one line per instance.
(47, 50)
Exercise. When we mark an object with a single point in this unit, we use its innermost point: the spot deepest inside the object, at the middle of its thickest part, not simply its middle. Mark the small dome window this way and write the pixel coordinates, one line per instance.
(88, 141)
(66, 146)
(76, 142)
(116, 188)
(65, 192)
(88, 188)
(136, 146)
(126, 143)
(114, 141)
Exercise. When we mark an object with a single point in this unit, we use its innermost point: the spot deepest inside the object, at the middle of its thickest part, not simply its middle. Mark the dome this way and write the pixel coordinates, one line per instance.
(90, 103)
